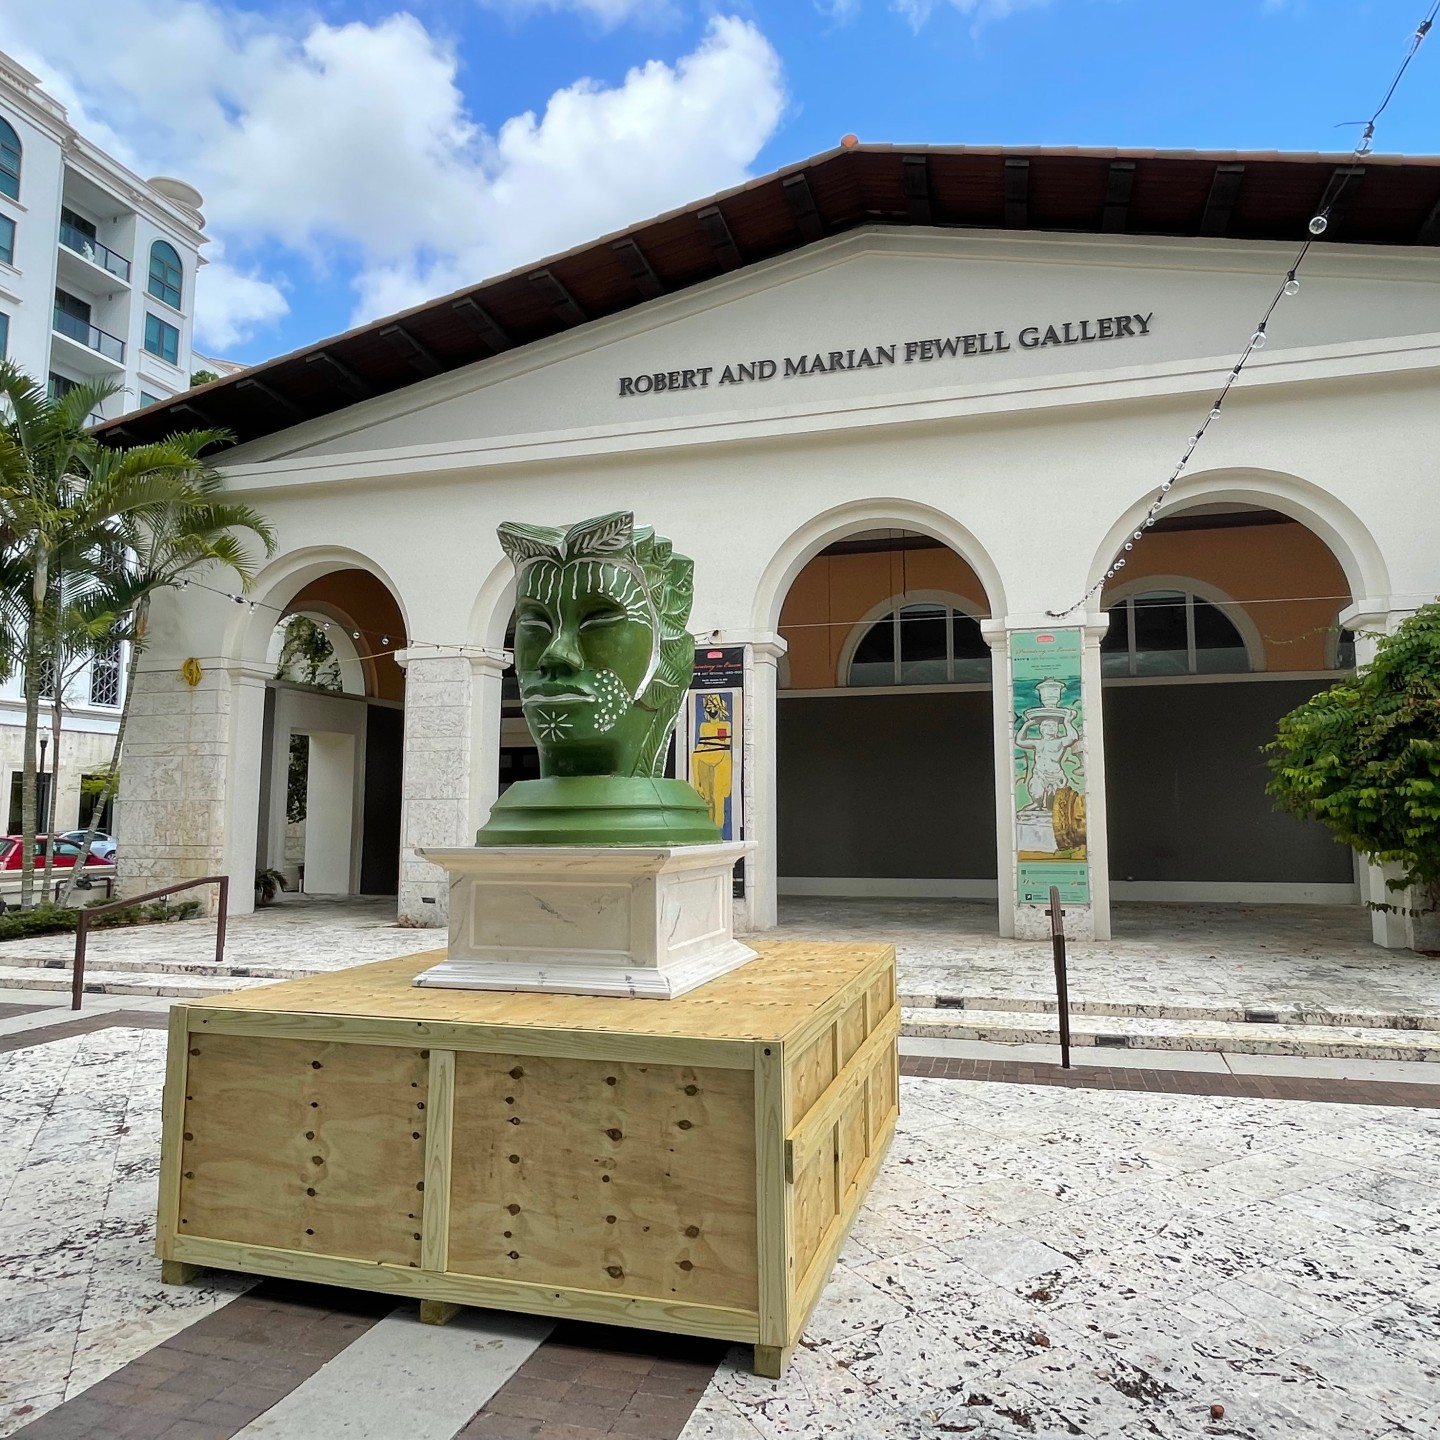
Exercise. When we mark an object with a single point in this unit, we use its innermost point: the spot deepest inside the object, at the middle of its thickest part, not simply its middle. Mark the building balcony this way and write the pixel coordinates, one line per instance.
(94, 253)
(81, 342)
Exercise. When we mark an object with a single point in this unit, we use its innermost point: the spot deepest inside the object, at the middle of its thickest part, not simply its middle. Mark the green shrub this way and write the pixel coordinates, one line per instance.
(50, 920)
(1363, 757)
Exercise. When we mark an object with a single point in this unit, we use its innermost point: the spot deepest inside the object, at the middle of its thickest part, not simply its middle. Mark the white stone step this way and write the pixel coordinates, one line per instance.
(109, 982)
(1260, 1013)
(120, 965)
(1010, 1027)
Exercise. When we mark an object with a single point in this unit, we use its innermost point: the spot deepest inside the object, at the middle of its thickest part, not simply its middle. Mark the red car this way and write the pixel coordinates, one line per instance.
(12, 851)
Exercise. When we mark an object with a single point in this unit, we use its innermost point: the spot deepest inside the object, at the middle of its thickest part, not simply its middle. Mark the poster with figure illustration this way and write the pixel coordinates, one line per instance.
(1048, 724)
(710, 745)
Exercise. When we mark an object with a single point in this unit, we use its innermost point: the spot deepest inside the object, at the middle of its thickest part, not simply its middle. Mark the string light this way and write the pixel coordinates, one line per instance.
(1289, 287)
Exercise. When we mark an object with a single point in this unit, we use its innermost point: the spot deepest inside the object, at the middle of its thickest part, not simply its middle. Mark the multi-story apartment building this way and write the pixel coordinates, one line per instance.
(97, 282)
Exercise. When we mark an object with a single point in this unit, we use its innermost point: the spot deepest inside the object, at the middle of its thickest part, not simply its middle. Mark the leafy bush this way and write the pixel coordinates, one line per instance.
(50, 920)
(1363, 757)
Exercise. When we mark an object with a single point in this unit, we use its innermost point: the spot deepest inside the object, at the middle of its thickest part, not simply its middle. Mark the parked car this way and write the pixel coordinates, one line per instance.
(96, 883)
(102, 844)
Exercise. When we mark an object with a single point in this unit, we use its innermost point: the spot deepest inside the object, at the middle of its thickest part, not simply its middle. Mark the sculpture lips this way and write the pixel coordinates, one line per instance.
(537, 695)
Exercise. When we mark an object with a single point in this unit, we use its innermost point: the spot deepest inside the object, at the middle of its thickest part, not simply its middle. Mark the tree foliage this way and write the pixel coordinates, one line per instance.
(1363, 757)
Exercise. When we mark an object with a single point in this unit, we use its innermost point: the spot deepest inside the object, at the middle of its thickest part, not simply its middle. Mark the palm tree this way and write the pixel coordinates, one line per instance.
(67, 505)
(161, 546)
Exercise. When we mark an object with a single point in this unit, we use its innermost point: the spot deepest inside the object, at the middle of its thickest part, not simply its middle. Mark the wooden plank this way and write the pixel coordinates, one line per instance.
(566, 1302)
(438, 1312)
(771, 997)
(172, 1125)
(626, 1179)
(177, 1272)
(483, 1039)
(439, 1126)
(305, 1145)
(774, 1200)
(842, 996)
(812, 1133)
(772, 1361)
(810, 1285)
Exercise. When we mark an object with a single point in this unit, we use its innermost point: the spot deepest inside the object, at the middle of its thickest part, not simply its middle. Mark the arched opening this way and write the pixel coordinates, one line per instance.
(1222, 621)
(885, 775)
(332, 747)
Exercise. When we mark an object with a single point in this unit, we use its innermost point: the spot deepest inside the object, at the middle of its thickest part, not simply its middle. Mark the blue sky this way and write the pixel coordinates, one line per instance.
(357, 157)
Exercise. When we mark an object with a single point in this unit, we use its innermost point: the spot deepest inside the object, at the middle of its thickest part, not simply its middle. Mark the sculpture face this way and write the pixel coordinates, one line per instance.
(601, 649)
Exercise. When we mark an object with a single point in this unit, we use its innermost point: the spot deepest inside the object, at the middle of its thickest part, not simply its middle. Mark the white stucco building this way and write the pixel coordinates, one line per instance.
(97, 283)
(97, 266)
(906, 410)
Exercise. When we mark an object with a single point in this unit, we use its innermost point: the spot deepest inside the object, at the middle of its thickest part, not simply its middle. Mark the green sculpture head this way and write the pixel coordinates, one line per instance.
(602, 651)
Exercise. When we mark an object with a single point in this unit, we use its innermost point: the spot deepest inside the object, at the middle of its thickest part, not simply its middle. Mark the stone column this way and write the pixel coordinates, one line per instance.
(172, 813)
(998, 638)
(452, 761)
(761, 908)
(1097, 820)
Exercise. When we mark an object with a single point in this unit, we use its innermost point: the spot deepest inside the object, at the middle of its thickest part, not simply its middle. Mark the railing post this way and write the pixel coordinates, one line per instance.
(1062, 985)
(77, 978)
(220, 919)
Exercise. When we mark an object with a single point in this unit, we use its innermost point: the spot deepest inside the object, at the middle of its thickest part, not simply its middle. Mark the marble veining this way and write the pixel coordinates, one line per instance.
(1037, 1262)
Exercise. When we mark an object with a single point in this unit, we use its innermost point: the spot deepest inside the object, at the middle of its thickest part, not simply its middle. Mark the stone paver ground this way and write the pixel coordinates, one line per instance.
(1034, 1261)
(1206, 957)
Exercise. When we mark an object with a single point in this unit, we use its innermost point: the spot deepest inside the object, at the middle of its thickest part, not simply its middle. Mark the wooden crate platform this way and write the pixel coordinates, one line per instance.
(690, 1165)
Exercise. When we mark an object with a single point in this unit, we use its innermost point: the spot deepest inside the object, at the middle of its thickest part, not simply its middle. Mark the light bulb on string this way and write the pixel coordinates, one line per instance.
(1257, 340)
(385, 640)
(1215, 413)
(1292, 285)
(354, 634)
(1319, 224)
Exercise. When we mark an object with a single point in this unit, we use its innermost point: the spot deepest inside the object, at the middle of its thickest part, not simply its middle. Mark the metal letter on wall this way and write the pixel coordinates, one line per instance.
(711, 749)
(1048, 726)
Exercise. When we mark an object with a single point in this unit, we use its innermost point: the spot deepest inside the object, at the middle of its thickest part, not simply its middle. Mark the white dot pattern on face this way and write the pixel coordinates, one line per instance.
(614, 700)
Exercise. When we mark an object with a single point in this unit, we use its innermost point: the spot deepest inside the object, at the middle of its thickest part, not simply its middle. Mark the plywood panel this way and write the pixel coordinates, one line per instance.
(614, 1177)
(815, 1200)
(767, 999)
(812, 1070)
(317, 1147)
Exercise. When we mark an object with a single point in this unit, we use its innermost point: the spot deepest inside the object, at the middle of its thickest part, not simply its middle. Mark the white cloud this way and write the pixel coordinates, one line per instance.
(354, 146)
(917, 12)
(231, 305)
(609, 13)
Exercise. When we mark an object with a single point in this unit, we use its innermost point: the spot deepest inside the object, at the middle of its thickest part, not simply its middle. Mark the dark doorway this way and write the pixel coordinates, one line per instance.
(380, 843)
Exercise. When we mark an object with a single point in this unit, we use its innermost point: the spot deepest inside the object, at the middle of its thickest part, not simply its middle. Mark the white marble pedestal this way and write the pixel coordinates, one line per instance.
(589, 920)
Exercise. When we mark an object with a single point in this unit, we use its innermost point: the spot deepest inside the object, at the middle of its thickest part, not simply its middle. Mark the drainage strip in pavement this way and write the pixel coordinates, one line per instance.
(1176, 1082)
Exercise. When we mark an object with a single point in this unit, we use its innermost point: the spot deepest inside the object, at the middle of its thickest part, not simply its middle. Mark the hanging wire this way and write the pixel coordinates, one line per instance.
(1289, 287)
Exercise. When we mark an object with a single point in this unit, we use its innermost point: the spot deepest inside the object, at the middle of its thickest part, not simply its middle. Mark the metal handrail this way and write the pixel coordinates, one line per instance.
(1062, 980)
(82, 924)
(89, 248)
(92, 337)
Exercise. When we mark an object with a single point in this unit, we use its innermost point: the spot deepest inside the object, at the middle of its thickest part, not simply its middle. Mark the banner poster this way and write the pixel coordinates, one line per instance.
(713, 750)
(1048, 723)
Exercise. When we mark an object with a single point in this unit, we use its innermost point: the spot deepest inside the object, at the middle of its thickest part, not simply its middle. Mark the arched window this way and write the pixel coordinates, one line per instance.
(1172, 632)
(165, 273)
(923, 643)
(9, 161)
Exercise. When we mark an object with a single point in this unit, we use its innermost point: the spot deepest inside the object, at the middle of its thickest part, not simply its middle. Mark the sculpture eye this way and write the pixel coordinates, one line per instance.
(597, 618)
(535, 620)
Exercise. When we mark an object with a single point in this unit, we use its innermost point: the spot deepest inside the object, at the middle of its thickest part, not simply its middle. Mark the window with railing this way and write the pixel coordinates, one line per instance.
(162, 339)
(59, 386)
(9, 160)
(105, 675)
(7, 240)
(165, 273)
(84, 244)
(72, 319)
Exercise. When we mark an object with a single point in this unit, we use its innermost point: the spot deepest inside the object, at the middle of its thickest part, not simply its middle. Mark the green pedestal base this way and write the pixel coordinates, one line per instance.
(599, 810)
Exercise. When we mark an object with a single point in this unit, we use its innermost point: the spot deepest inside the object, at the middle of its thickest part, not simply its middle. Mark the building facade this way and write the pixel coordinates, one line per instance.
(909, 412)
(97, 267)
(97, 283)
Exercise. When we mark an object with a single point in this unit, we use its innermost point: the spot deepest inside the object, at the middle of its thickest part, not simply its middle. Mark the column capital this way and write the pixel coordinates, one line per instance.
(1374, 612)
(482, 661)
(996, 631)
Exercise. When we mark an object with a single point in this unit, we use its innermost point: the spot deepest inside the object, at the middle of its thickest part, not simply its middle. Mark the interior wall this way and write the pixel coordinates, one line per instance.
(329, 813)
(1261, 567)
(887, 786)
(833, 593)
(1185, 787)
